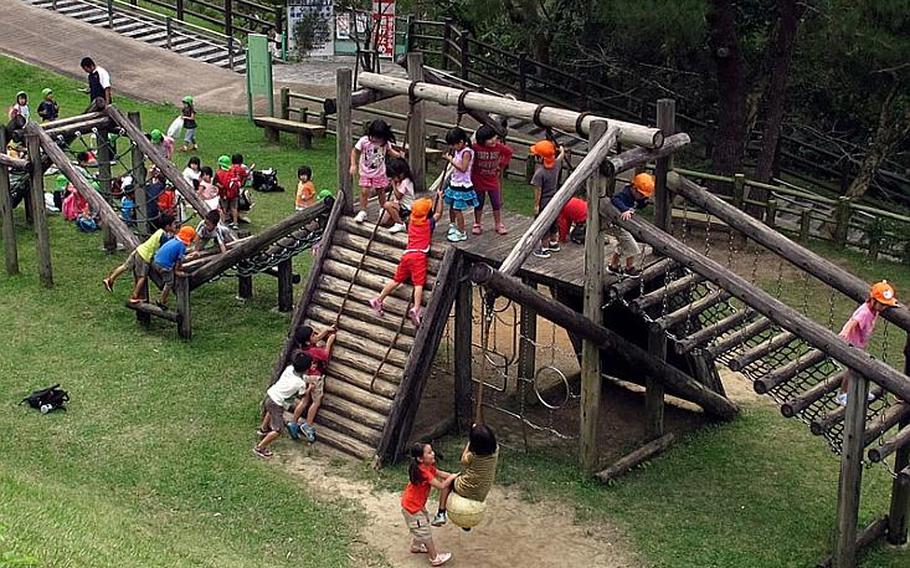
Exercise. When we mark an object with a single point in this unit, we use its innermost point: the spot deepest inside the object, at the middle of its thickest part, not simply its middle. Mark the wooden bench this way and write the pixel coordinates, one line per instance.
(304, 131)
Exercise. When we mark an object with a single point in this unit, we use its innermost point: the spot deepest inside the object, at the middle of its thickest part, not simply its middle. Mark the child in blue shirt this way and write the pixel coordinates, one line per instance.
(128, 207)
(168, 261)
(630, 199)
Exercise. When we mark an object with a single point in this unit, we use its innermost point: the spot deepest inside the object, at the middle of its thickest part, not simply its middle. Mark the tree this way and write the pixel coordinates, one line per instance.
(723, 41)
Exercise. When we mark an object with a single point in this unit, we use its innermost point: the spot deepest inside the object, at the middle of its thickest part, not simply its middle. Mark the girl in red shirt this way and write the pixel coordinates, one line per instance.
(423, 475)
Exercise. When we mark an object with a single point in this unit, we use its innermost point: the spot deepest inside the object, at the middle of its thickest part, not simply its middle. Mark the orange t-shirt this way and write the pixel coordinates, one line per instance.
(306, 194)
(415, 495)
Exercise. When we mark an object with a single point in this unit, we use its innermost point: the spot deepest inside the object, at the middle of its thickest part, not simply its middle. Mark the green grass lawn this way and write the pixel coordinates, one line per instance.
(151, 466)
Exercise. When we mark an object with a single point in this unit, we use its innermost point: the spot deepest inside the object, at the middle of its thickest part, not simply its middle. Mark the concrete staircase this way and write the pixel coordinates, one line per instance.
(156, 29)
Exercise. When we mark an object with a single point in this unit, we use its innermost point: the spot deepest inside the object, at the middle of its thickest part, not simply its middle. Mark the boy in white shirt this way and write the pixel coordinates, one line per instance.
(289, 386)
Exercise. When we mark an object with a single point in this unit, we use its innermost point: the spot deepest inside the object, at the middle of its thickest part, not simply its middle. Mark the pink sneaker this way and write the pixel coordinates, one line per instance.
(376, 304)
(501, 229)
(415, 314)
(477, 229)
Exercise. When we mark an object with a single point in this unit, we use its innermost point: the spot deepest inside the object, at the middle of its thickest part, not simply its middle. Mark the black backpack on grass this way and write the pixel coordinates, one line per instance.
(47, 400)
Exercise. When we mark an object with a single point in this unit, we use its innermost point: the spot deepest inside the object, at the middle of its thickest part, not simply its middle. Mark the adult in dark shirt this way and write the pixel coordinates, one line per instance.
(99, 82)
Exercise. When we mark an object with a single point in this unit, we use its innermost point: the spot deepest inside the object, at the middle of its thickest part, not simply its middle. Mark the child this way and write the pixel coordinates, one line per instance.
(229, 179)
(163, 144)
(20, 107)
(207, 191)
(306, 189)
(399, 206)
(459, 194)
(188, 112)
(48, 110)
(128, 207)
(140, 259)
(492, 158)
(289, 385)
(167, 202)
(193, 171)
(858, 329)
(211, 228)
(153, 190)
(572, 219)
(74, 204)
(422, 475)
(630, 199)
(546, 183)
(368, 157)
(167, 261)
(478, 462)
(413, 263)
(311, 345)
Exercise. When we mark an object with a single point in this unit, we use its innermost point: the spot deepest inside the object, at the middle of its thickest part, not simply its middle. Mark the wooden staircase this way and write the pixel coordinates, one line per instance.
(370, 362)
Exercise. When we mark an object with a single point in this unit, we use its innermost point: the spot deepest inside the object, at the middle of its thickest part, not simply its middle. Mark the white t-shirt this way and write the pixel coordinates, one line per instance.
(191, 175)
(288, 385)
(406, 189)
(103, 77)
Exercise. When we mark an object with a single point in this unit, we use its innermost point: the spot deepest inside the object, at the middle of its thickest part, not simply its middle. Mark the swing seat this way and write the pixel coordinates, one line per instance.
(465, 513)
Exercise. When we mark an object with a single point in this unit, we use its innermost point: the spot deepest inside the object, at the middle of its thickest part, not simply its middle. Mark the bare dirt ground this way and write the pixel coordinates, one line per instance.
(514, 532)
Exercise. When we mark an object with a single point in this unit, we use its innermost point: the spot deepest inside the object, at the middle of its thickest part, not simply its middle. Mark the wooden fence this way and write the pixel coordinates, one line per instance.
(235, 18)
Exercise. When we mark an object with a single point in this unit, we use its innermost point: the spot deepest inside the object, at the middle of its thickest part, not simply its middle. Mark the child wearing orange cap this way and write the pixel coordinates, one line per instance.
(630, 199)
(858, 329)
(168, 259)
(546, 183)
(413, 264)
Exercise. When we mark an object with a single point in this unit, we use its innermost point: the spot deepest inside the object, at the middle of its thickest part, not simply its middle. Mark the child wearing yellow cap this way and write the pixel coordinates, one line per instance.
(633, 197)
(858, 329)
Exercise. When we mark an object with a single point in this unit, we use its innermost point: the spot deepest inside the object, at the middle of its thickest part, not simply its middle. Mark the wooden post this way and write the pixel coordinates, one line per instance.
(180, 8)
(137, 163)
(900, 492)
(142, 317)
(804, 226)
(842, 221)
(527, 349)
(463, 54)
(285, 105)
(771, 213)
(285, 286)
(229, 17)
(654, 390)
(10, 252)
(244, 287)
(184, 318)
(593, 310)
(105, 157)
(464, 382)
(417, 128)
(39, 214)
(851, 471)
(666, 121)
(446, 38)
(343, 144)
(739, 191)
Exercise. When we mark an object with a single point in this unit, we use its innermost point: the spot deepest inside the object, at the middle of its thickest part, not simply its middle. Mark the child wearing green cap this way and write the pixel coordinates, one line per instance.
(163, 143)
(48, 110)
(189, 124)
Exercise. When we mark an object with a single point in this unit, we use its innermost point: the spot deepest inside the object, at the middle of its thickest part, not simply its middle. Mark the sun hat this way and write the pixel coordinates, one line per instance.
(546, 151)
(644, 183)
(883, 293)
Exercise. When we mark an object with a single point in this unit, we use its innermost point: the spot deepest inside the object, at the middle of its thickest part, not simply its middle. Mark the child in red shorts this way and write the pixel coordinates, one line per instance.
(413, 264)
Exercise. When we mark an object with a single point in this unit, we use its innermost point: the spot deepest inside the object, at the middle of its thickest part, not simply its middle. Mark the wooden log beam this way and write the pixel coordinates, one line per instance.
(889, 446)
(708, 333)
(692, 310)
(84, 127)
(759, 351)
(169, 170)
(738, 338)
(897, 412)
(874, 531)
(785, 373)
(153, 310)
(547, 116)
(638, 157)
(343, 132)
(530, 240)
(899, 510)
(39, 211)
(639, 456)
(797, 404)
(464, 382)
(607, 339)
(97, 202)
(783, 315)
(359, 98)
(851, 473)
(417, 127)
(821, 268)
(10, 250)
(651, 272)
(10, 162)
(257, 243)
(642, 303)
(72, 120)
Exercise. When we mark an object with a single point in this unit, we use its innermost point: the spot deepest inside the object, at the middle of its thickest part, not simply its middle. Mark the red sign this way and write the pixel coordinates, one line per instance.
(384, 26)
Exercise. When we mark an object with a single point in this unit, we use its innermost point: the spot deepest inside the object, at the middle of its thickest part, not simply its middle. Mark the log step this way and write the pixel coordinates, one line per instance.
(356, 395)
(377, 336)
(343, 442)
(642, 303)
(399, 240)
(370, 264)
(707, 334)
(378, 249)
(785, 373)
(367, 364)
(397, 303)
(824, 387)
(877, 427)
(357, 378)
(363, 312)
(354, 411)
(753, 354)
(369, 354)
(346, 426)
(364, 278)
(671, 320)
(628, 286)
(737, 338)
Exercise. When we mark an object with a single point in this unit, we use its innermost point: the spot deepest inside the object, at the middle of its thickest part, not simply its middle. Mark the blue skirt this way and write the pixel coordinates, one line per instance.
(461, 198)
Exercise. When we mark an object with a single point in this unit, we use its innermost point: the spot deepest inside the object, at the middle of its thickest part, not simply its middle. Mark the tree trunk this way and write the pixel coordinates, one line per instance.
(889, 134)
(782, 53)
(727, 153)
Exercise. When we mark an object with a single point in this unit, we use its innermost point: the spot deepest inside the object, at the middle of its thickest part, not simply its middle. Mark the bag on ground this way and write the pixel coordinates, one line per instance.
(47, 400)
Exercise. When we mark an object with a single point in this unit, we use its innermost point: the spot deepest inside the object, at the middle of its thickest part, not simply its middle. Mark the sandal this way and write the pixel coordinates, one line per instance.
(477, 229)
(419, 549)
(108, 285)
(501, 229)
(441, 558)
(135, 301)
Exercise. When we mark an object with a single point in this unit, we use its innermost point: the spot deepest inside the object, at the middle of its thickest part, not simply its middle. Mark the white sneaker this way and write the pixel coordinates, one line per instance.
(360, 217)
(397, 228)
(452, 230)
(841, 398)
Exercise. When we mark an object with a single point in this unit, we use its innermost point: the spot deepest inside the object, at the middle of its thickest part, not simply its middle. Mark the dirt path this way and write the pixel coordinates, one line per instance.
(514, 532)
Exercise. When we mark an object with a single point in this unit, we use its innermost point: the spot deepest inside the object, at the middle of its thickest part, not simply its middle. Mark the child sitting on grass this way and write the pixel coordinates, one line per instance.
(633, 197)
(459, 194)
(140, 259)
(368, 158)
(212, 229)
(413, 264)
(858, 329)
(422, 476)
(168, 260)
(306, 189)
(288, 386)
(399, 206)
(545, 182)
(310, 344)
(492, 159)
(478, 472)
